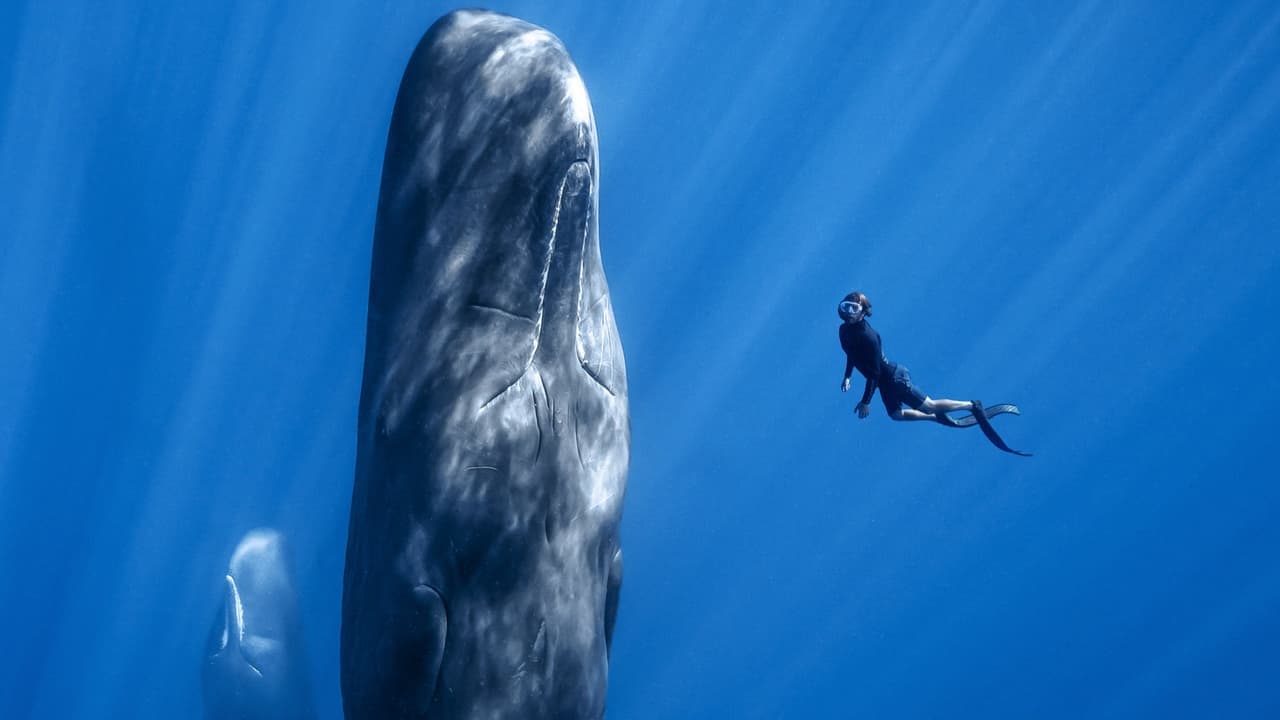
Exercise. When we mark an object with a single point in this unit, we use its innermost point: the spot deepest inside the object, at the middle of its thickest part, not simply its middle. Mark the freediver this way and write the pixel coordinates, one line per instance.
(863, 350)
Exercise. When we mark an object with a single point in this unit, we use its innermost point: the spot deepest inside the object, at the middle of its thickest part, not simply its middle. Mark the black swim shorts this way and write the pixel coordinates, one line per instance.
(899, 391)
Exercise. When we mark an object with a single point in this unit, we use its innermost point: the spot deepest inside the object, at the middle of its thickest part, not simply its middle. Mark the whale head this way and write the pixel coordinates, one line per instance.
(254, 664)
(483, 562)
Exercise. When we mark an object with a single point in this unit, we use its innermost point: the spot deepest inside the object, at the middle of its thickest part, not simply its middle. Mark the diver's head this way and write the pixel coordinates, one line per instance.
(854, 307)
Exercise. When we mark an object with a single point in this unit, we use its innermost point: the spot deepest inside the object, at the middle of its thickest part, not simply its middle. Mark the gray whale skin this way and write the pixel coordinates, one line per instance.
(254, 664)
(483, 563)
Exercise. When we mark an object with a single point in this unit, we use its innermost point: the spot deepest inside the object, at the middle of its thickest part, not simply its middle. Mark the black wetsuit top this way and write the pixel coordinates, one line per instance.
(862, 349)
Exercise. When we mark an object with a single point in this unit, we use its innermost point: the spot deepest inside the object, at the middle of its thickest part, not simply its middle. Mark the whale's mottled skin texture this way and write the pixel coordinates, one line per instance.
(483, 561)
(255, 662)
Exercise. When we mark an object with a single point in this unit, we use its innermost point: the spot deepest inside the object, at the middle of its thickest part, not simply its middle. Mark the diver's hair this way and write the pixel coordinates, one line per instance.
(862, 300)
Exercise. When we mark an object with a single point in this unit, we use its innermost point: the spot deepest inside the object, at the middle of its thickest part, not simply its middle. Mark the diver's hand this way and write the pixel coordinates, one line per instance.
(844, 386)
(863, 410)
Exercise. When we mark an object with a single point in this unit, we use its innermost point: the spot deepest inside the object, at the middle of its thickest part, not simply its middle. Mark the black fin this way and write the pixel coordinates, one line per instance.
(981, 417)
(965, 421)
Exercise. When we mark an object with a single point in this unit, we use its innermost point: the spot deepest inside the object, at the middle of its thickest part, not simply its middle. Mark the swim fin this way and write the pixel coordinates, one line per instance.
(981, 417)
(965, 421)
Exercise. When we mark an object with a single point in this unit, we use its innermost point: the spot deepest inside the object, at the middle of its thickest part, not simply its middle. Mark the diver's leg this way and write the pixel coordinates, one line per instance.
(909, 414)
(942, 405)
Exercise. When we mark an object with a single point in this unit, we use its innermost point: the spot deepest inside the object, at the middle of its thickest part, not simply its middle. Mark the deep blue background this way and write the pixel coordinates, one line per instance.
(1072, 206)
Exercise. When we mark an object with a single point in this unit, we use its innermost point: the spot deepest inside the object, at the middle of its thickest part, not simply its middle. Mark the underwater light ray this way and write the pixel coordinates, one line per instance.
(194, 451)
(1077, 256)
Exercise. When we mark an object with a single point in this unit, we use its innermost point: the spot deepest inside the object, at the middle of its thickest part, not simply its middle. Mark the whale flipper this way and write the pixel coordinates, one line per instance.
(611, 598)
(431, 631)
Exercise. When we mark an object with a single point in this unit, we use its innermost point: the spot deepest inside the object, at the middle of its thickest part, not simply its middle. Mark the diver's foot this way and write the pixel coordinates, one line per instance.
(943, 419)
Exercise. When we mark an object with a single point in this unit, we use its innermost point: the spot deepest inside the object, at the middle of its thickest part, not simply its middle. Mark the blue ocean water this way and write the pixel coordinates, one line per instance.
(1070, 206)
